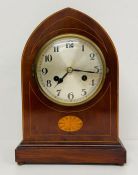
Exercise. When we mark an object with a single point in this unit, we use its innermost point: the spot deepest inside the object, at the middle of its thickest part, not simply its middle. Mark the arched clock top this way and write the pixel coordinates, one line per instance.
(69, 21)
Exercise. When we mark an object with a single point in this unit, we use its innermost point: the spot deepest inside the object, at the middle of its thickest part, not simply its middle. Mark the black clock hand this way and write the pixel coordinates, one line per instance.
(60, 80)
(64, 75)
(78, 70)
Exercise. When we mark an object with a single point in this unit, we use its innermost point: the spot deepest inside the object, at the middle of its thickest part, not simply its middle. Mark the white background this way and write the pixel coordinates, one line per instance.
(18, 18)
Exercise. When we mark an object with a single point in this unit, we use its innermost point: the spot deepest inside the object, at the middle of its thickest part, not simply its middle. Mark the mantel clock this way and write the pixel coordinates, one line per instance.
(70, 93)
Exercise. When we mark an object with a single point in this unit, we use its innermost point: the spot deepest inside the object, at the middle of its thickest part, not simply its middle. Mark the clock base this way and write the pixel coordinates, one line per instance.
(70, 154)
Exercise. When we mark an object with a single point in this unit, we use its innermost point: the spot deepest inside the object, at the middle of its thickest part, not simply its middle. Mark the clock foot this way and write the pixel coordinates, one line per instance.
(51, 153)
(20, 163)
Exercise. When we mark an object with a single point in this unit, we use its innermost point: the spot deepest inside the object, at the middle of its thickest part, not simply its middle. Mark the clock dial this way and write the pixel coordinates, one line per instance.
(70, 69)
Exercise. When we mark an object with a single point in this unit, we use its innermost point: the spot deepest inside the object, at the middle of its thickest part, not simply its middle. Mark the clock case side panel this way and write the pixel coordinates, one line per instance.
(66, 21)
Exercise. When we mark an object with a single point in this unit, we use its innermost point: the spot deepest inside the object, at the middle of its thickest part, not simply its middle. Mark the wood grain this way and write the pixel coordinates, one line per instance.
(41, 116)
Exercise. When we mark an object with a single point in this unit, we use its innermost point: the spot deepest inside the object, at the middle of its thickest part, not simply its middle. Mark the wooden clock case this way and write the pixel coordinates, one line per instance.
(43, 141)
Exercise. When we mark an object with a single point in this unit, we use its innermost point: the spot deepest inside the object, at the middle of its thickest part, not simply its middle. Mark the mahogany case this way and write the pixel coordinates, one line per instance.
(43, 141)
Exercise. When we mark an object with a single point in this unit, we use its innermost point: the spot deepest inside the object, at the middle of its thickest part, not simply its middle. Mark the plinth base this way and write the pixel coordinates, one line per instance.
(70, 154)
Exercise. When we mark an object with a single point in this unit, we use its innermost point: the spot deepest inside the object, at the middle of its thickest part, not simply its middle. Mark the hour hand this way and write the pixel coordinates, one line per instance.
(60, 80)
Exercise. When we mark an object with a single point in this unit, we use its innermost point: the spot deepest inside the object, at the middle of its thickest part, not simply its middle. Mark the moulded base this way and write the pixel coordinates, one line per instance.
(70, 154)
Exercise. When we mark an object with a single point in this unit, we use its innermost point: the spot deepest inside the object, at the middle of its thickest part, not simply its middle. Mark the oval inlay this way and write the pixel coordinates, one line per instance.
(70, 123)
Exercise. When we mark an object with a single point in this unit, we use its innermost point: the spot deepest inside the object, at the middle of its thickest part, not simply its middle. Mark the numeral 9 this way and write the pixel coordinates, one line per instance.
(44, 71)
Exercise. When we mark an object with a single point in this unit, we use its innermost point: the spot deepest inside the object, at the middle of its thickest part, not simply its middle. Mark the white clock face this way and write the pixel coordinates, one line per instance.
(70, 69)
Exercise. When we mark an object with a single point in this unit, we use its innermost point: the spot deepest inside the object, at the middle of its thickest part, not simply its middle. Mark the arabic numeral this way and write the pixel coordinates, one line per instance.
(70, 96)
(58, 92)
(97, 69)
(48, 83)
(48, 58)
(56, 49)
(93, 83)
(92, 56)
(82, 48)
(69, 44)
(84, 92)
(44, 71)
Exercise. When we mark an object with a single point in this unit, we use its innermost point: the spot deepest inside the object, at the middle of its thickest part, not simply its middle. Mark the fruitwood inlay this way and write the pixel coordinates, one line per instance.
(70, 123)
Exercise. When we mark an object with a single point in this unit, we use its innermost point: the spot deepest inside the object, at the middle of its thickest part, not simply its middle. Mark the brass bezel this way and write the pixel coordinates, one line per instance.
(102, 59)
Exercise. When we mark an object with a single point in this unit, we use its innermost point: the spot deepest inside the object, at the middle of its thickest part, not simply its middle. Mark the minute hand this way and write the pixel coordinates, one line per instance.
(78, 70)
